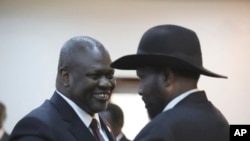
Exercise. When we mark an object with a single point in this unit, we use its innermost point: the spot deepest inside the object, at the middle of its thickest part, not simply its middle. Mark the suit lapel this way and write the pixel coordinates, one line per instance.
(72, 121)
(107, 130)
(80, 131)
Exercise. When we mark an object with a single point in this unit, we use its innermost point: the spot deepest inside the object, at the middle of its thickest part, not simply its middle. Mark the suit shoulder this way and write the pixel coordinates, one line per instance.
(40, 121)
(45, 113)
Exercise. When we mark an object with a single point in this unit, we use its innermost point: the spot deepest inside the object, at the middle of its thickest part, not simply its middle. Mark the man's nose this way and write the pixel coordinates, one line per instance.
(106, 83)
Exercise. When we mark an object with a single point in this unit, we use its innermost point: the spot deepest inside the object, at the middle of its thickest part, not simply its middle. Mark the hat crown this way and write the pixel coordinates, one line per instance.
(172, 40)
(167, 45)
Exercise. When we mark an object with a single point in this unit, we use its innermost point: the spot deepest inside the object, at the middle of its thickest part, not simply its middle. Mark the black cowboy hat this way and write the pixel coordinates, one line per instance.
(167, 45)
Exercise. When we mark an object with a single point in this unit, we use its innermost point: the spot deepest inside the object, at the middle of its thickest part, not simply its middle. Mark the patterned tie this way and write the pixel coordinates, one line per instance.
(95, 129)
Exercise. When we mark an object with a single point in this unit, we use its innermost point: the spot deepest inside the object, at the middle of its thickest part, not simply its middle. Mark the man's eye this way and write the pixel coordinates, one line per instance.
(93, 76)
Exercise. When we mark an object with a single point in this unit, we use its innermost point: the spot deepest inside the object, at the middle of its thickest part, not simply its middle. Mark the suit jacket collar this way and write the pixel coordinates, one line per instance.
(107, 130)
(73, 122)
(196, 97)
(179, 98)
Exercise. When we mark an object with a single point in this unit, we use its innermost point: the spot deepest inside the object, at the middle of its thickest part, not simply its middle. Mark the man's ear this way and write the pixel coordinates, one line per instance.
(168, 76)
(65, 77)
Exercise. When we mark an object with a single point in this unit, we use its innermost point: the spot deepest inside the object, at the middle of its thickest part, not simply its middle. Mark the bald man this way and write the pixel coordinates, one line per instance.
(84, 85)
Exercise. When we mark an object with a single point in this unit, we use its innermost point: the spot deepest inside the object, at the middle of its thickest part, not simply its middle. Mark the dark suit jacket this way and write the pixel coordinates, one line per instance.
(192, 119)
(5, 137)
(124, 138)
(54, 120)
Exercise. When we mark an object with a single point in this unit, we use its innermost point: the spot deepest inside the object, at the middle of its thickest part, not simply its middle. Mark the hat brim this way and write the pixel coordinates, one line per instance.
(133, 62)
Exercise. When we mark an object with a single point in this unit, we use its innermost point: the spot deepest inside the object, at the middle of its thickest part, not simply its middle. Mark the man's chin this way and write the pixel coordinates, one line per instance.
(153, 112)
(101, 107)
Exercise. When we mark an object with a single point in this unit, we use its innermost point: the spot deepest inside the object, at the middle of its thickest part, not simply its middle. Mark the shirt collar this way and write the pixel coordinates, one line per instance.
(83, 115)
(177, 99)
(118, 137)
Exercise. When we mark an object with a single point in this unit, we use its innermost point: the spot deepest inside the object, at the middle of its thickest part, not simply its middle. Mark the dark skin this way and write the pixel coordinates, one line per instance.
(84, 74)
(158, 86)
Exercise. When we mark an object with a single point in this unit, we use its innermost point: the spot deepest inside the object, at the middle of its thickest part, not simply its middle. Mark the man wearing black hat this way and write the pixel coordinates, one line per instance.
(169, 64)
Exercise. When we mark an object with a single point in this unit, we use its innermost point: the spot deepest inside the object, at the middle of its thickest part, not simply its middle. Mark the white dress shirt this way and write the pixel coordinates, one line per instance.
(118, 137)
(84, 116)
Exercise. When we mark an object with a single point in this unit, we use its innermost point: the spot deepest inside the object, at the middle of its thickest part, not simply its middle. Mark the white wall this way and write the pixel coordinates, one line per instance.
(32, 32)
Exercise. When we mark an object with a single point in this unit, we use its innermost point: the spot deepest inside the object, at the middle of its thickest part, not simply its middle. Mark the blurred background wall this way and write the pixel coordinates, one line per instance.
(33, 31)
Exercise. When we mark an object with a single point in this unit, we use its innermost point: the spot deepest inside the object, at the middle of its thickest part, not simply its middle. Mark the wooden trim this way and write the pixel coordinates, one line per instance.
(127, 85)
